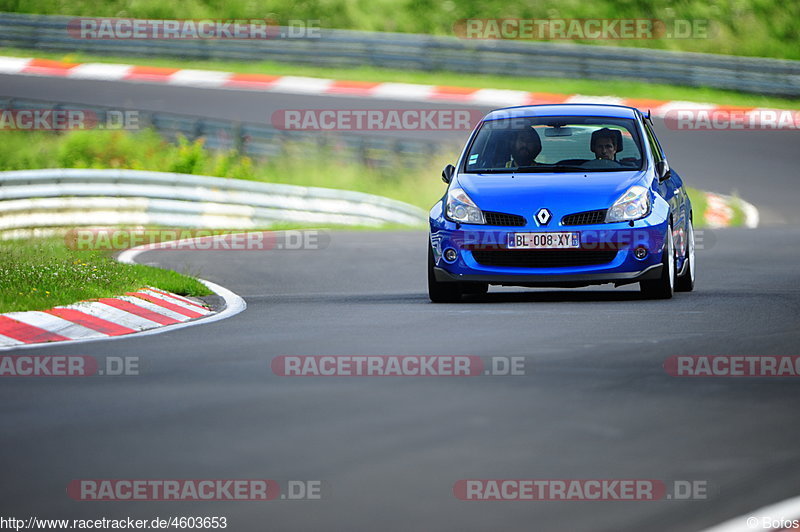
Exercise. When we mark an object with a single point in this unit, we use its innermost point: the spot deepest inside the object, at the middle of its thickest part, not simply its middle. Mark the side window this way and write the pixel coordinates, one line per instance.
(655, 147)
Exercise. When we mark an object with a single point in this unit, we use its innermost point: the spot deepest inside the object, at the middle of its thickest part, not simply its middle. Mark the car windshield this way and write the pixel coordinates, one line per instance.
(555, 144)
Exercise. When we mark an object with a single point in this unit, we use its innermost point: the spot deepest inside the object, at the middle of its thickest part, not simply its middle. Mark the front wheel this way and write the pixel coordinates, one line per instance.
(664, 286)
(685, 283)
(440, 292)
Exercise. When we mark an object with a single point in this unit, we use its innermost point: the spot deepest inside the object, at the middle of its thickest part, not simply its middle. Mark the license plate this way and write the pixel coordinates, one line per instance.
(544, 240)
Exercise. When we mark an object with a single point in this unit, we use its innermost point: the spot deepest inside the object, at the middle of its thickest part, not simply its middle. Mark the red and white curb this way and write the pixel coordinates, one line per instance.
(318, 86)
(147, 311)
(720, 211)
(105, 317)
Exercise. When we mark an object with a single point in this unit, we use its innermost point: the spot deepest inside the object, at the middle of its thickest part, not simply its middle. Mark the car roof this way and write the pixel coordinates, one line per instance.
(563, 109)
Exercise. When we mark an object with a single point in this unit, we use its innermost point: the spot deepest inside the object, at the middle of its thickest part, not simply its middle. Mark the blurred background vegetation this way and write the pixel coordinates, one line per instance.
(765, 28)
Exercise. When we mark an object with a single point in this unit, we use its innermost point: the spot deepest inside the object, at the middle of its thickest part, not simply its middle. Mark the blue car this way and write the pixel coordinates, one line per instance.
(563, 196)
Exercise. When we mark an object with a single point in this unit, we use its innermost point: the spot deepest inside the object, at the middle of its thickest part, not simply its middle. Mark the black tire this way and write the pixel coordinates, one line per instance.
(663, 287)
(440, 292)
(685, 282)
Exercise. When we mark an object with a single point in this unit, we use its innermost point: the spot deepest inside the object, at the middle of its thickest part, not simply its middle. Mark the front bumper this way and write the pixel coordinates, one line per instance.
(619, 239)
(558, 280)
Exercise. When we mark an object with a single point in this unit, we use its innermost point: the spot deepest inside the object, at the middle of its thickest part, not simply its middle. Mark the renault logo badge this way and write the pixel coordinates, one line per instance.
(543, 217)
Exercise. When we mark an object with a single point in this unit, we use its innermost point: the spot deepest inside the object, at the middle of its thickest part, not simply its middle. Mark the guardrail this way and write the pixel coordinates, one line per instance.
(338, 48)
(46, 201)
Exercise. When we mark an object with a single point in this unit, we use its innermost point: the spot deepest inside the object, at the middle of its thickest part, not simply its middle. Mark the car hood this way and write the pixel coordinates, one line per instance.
(562, 193)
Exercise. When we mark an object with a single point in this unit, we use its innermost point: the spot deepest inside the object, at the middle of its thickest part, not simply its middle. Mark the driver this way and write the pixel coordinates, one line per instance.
(525, 147)
(604, 144)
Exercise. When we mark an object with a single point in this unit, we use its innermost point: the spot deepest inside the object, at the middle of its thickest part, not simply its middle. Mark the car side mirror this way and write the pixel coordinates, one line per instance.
(447, 173)
(663, 171)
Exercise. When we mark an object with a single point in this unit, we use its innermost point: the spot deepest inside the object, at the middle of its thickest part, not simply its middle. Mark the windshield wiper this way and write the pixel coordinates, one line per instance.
(492, 171)
(564, 168)
(554, 169)
(550, 169)
(528, 170)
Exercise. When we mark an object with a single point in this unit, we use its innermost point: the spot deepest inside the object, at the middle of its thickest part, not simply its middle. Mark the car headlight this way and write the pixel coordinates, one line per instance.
(632, 205)
(460, 208)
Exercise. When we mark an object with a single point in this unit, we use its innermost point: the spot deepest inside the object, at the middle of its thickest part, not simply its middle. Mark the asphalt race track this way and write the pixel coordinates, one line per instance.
(595, 401)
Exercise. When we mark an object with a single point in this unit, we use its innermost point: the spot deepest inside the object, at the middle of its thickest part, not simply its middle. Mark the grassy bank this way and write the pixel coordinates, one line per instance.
(765, 28)
(39, 274)
(625, 89)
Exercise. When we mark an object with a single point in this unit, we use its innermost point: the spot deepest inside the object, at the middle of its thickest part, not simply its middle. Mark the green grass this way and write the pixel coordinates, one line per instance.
(699, 206)
(738, 217)
(624, 89)
(765, 28)
(38, 274)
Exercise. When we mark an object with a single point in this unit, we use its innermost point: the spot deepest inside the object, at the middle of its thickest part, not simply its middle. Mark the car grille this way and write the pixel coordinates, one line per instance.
(501, 218)
(585, 218)
(543, 258)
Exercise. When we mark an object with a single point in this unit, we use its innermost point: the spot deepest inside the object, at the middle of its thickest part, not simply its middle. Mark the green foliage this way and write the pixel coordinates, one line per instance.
(765, 28)
(190, 157)
(111, 149)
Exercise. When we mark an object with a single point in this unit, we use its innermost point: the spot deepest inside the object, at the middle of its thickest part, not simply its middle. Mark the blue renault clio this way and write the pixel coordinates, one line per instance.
(563, 195)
